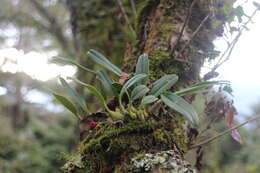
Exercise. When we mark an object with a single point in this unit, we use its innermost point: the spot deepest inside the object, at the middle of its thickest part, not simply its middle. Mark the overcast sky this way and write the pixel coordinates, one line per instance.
(243, 68)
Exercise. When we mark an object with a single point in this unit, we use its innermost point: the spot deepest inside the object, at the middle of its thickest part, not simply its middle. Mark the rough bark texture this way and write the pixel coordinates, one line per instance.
(93, 28)
(159, 143)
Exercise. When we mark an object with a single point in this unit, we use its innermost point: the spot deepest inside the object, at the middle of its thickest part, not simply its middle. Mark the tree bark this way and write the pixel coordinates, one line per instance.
(178, 36)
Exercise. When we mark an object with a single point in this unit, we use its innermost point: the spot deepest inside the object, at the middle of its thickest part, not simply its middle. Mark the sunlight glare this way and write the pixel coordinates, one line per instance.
(34, 64)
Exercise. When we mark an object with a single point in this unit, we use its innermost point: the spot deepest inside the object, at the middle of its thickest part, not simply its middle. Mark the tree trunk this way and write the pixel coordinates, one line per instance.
(178, 36)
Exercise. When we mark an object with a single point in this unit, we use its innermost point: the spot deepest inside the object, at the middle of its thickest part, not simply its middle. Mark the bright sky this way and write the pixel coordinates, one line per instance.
(34, 64)
(243, 68)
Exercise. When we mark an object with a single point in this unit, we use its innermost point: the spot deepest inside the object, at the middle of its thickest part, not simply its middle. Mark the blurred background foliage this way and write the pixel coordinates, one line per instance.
(33, 135)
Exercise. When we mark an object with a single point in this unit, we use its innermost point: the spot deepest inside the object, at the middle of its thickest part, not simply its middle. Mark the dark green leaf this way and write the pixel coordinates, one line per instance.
(180, 105)
(148, 99)
(129, 83)
(142, 67)
(139, 91)
(103, 61)
(67, 104)
(75, 96)
(106, 82)
(163, 84)
(133, 80)
(93, 90)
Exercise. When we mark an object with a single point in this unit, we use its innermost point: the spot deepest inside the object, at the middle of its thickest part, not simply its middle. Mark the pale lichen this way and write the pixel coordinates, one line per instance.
(163, 162)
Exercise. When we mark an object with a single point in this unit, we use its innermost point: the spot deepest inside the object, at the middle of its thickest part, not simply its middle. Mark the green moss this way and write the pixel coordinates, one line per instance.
(156, 57)
(109, 144)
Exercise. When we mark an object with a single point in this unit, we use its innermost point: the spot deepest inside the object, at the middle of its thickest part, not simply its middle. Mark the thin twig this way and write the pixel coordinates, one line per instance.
(195, 32)
(225, 132)
(231, 46)
(125, 15)
(187, 18)
(133, 8)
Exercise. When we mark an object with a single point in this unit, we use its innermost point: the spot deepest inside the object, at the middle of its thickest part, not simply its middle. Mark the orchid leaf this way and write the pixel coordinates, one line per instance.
(103, 61)
(93, 90)
(142, 67)
(106, 82)
(148, 99)
(129, 83)
(139, 91)
(163, 84)
(67, 104)
(198, 87)
(180, 105)
(74, 95)
(68, 61)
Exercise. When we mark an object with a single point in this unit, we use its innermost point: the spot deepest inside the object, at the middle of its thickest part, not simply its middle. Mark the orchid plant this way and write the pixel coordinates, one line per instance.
(140, 96)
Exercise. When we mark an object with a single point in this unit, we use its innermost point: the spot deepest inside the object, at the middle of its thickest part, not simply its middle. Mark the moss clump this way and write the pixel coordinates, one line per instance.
(112, 145)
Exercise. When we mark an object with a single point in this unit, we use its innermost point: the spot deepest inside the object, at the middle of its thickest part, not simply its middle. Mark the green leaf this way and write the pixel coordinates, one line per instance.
(148, 99)
(75, 95)
(132, 81)
(211, 83)
(180, 105)
(142, 67)
(128, 84)
(74, 63)
(199, 87)
(93, 90)
(103, 61)
(106, 82)
(139, 91)
(163, 84)
(66, 103)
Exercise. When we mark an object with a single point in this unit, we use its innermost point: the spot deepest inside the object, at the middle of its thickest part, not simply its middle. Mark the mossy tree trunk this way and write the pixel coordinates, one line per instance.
(172, 48)
(94, 27)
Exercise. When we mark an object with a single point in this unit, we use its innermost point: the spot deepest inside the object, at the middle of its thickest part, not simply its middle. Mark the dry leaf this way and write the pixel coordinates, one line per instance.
(123, 77)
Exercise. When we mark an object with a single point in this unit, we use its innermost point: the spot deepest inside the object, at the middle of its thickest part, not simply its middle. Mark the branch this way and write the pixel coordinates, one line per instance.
(224, 133)
(195, 32)
(231, 46)
(184, 24)
(54, 27)
(125, 15)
